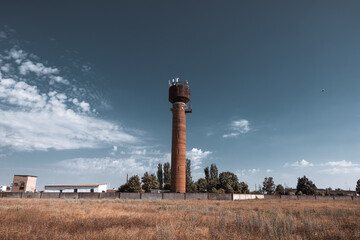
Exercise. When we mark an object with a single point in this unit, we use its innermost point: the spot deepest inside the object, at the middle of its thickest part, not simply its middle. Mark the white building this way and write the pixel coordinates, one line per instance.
(3, 188)
(71, 188)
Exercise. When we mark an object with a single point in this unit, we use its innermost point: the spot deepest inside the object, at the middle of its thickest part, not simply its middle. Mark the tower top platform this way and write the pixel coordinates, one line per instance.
(179, 91)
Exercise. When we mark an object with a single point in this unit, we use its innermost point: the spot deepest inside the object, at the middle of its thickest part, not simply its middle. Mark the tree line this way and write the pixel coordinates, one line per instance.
(304, 187)
(213, 182)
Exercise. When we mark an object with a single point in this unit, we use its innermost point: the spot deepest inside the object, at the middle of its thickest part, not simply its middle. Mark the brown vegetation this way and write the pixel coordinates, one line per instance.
(168, 219)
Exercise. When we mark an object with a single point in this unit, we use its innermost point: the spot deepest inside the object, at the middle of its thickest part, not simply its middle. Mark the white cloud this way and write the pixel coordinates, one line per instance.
(237, 128)
(114, 150)
(5, 68)
(269, 170)
(58, 79)
(34, 119)
(37, 68)
(197, 156)
(302, 163)
(16, 54)
(44, 130)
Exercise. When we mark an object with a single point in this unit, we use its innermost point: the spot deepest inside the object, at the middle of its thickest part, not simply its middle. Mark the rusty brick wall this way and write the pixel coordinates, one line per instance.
(178, 148)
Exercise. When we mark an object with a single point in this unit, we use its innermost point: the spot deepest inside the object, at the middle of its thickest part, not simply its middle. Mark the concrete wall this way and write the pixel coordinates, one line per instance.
(127, 195)
(196, 196)
(110, 195)
(50, 195)
(220, 196)
(31, 195)
(180, 196)
(89, 195)
(12, 195)
(324, 197)
(151, 196)
(69, 195)
(247, 196)
(306, 197)
(272, 196)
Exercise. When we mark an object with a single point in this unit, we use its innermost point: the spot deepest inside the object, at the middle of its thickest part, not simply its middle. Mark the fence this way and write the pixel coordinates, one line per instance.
(170, 196)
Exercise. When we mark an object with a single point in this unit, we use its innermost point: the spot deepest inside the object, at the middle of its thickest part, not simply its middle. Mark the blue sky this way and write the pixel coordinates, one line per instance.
(83, 89)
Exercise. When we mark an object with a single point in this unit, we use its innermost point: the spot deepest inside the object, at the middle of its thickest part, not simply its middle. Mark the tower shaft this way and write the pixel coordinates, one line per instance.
(178, 148)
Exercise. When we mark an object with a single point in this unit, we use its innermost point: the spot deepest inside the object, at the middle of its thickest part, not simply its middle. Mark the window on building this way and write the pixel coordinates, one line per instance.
(22, 186)
(75, 190)
(92, 190)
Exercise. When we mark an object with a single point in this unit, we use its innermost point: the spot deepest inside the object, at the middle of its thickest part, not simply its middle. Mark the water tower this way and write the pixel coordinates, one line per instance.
(179, 96)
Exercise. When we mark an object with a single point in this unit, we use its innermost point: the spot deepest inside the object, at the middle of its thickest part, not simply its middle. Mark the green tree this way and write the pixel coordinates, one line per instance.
(167, 174)
(229, 182)
(124, 188)
(149, 182)
(160, 175)
(358, 187)
(269, 186)
(134, 185)
(243, 188)
(305, 186)
(280, 190)
(207, 177)
(189, 181)
(201, 185)
(220, 190)
(214, 178)
(193, 188)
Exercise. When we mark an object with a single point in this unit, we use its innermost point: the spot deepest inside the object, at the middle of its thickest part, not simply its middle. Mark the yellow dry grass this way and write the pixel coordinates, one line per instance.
(178, 219)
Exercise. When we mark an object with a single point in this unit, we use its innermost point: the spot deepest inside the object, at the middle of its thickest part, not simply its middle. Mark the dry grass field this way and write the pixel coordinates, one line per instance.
(170, 219)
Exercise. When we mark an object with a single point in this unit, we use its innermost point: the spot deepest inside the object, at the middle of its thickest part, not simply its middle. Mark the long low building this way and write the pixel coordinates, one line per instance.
(71, 188)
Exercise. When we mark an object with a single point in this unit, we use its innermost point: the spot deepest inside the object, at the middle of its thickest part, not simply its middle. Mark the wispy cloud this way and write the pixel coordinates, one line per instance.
(35, 116)
(132, 160)
(330, 167)
(245, 173)
(237, 128)
(107, 165)
(340, 167)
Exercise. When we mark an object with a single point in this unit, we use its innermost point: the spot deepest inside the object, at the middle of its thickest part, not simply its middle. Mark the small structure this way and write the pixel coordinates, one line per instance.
(3, 188)
(71, 188)
(24, 183)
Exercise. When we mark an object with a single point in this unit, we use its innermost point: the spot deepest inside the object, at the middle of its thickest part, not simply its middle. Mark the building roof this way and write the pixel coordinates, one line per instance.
(75, 185)
(25, 176)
